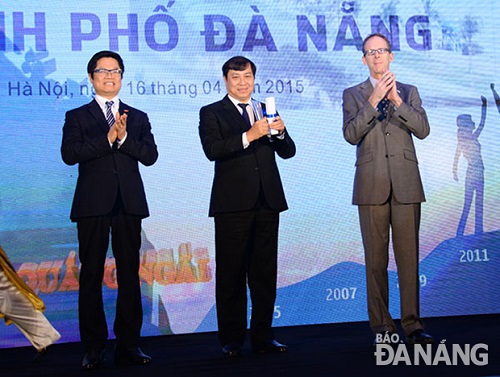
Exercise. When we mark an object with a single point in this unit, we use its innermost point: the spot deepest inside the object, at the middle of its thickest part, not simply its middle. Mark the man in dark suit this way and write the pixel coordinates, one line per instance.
(247, 197)
(380, 117)
(108, 139)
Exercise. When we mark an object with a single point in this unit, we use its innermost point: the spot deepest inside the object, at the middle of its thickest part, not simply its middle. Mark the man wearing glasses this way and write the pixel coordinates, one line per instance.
(108, 139)
(380, 116)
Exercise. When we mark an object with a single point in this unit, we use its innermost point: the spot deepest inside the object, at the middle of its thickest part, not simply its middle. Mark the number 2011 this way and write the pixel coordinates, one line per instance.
(469, 256)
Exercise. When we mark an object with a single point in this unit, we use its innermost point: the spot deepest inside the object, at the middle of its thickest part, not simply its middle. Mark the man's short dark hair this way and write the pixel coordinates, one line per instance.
(380, 35)
(104, 54)
(238, 63)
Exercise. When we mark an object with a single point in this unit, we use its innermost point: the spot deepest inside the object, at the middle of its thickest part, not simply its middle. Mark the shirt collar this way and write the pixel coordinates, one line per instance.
(102, 102)
(236, 102)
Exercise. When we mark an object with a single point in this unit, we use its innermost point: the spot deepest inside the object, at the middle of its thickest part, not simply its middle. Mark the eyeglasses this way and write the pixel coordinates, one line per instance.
(381, 51)
(104, 71)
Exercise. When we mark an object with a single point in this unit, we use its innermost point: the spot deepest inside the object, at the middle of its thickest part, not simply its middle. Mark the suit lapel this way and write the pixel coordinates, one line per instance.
(98, 115)
(123, 107)
(366, 88)
(234, 114)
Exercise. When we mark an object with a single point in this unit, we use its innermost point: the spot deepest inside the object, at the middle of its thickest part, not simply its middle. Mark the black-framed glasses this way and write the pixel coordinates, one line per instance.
(105, 72)
(372, 52)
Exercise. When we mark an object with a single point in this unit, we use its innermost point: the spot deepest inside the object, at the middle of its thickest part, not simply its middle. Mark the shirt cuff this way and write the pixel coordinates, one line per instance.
(120, 142)
(244, 140)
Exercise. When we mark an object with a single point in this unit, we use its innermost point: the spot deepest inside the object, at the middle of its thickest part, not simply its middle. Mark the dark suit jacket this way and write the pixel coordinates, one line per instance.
(103, 172)
(239, 172)
(385, 153)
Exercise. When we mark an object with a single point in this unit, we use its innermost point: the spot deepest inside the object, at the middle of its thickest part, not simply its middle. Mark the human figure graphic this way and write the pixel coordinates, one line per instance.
(495, 96)
(468, 145)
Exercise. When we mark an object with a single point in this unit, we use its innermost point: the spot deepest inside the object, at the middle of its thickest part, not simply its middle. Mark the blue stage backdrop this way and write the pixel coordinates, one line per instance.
(306, 53)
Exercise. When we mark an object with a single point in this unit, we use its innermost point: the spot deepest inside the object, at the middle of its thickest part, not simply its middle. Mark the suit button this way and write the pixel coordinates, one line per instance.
(386, 156)
(257, 169)
(387, 134)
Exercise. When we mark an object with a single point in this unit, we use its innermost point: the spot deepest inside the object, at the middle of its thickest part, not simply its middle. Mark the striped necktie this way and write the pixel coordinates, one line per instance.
(109, 114)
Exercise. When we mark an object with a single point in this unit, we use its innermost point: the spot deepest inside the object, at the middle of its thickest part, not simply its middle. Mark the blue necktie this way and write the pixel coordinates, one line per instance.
(383, 107)
(109, 114)
(245, 113)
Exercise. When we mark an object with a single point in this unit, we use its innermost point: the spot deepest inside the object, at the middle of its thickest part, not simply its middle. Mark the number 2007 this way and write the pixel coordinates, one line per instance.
(338, 294)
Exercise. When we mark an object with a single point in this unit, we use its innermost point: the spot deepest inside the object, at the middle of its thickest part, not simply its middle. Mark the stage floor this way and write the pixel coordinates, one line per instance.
(341, 349)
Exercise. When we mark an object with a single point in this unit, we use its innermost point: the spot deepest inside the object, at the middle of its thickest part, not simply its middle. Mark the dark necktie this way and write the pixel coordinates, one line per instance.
(109, 114)
(383, 107)
(245, 113)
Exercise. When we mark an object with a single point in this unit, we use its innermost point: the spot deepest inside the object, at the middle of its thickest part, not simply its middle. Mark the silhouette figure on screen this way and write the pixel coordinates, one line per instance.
(468, 145)
(495, 96)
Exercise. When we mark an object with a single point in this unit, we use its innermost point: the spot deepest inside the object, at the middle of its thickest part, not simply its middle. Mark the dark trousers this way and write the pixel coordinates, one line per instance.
(376, 222)
(93, 237)
(246, 252)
